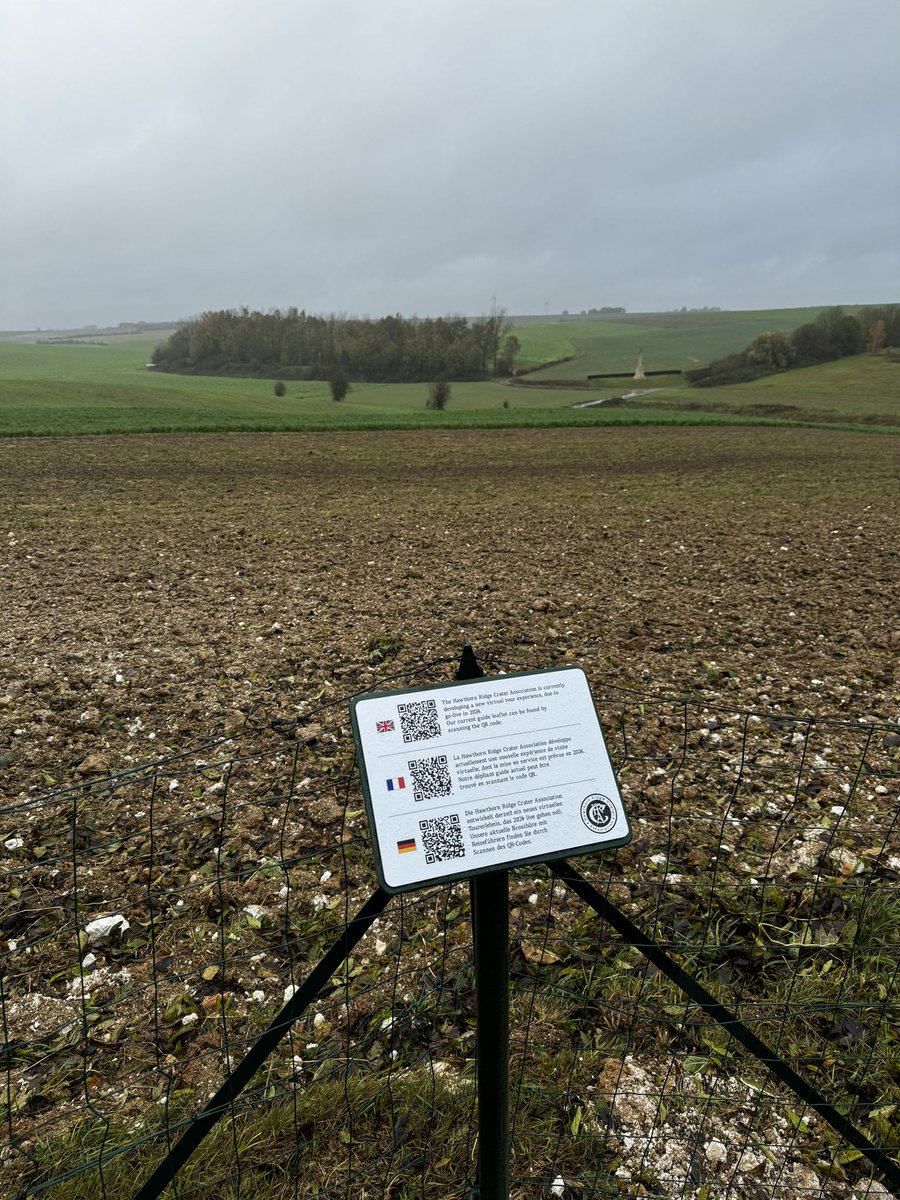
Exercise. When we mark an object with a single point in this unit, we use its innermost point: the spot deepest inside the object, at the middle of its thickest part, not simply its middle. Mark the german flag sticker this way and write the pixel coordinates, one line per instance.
(406, 846)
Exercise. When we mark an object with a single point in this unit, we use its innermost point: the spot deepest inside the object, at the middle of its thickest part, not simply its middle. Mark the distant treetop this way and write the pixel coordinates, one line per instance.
(833, 334)
(292, 344)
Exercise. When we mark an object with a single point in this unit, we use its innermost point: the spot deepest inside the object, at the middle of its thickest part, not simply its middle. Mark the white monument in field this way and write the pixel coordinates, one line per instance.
(639, 369)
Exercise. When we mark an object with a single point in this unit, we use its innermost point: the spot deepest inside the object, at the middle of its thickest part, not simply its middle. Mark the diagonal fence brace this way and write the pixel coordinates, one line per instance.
(728, 1021)
(224, 1098)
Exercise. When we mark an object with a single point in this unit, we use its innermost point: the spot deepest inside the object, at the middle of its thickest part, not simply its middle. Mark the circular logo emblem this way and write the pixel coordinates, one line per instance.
(598, 813)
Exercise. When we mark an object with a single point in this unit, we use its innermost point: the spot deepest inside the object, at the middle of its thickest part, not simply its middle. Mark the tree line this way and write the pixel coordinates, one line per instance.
(292, 344)
(834, 334)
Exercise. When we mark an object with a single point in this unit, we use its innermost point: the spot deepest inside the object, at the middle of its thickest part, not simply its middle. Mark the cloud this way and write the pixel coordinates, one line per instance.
(157, 159)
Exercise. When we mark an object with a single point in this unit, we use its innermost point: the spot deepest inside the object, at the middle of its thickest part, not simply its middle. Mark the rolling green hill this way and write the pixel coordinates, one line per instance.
(863, 387)
(677, 340)
(59, 390)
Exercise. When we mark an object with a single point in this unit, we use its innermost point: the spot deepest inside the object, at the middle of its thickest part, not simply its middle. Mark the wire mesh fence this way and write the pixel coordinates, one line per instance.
(156, 921)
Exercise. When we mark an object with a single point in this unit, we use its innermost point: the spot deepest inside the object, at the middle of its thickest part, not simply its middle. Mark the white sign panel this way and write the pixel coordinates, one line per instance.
(484, 774)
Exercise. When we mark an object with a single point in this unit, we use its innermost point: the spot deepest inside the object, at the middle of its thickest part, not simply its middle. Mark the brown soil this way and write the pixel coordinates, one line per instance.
(159, 591)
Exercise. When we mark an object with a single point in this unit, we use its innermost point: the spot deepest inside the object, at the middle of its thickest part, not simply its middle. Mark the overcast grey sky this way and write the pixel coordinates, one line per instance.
(161, 157)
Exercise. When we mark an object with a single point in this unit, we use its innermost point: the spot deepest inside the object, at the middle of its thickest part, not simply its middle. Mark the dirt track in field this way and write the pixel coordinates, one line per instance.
(159, 589)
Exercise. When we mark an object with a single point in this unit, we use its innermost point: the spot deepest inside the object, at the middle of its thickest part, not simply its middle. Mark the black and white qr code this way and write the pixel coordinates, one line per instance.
(430, 778)
(419, 720)
(442, 838)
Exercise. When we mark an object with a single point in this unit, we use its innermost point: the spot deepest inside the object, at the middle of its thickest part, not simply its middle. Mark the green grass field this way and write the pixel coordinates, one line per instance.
(61, 390)
(861, 388)
(545, 343)
(677, 340)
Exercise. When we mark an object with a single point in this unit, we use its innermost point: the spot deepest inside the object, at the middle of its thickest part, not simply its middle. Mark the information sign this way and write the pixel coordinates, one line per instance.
(483, 774)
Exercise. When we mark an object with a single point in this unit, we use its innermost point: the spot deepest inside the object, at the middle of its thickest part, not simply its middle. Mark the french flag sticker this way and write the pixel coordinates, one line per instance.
(396, 785)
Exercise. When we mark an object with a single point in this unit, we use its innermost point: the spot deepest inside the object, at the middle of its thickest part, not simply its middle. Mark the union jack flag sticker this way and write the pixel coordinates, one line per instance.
(384, 726)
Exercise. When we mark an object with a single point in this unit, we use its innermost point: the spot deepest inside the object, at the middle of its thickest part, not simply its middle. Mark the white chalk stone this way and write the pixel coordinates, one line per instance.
(715, 1151)
(102, 927)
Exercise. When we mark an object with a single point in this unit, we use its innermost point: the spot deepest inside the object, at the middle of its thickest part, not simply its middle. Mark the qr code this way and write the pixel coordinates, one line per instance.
(430, 778)
(419, 720)
(442, 838)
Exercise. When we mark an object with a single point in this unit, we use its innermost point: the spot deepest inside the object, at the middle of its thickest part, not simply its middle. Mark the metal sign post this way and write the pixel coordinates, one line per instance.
(463, 780)
(490, 934)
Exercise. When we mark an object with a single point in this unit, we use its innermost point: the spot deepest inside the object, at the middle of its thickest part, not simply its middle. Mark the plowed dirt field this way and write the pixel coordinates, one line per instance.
(156, 590)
